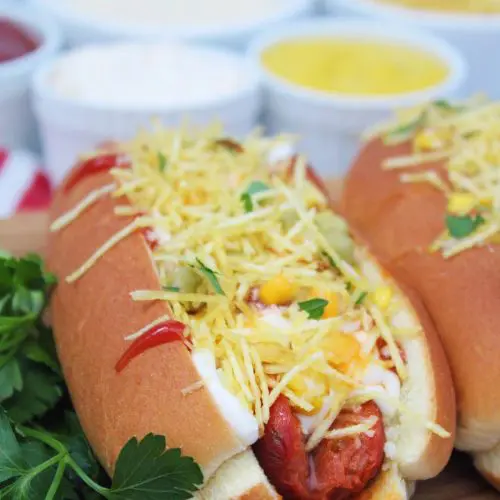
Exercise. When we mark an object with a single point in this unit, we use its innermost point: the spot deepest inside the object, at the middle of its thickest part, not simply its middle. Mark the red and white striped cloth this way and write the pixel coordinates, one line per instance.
(23, 184)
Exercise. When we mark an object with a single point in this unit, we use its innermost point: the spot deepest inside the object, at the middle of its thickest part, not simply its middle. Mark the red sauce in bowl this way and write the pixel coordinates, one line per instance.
(15, 41)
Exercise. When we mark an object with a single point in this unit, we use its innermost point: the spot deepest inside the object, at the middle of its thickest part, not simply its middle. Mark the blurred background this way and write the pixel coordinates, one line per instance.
(75, 73)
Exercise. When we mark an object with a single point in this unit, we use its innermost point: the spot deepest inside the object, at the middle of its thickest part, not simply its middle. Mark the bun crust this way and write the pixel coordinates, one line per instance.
(400, 221)
(91, 318)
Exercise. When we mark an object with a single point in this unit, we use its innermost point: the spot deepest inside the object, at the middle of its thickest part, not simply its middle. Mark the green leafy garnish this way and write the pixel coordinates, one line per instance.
(36, 464)
(461, 226)
(447, 106)
(30, 378)
(361, 298)
(147, 471)
(171, 289)
(211, 276)
(162, 162)
(254, 188)
(314, 307)
(406, 131)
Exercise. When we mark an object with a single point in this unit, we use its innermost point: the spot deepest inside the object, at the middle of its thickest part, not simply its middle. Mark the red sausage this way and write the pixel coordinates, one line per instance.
(335, 470)
(345, 466)
(281, 452)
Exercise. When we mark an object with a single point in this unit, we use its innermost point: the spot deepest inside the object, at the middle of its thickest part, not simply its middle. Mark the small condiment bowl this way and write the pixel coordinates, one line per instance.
(80, 29)
(329, 125)
(71, 125)
(17, 124)
(475, 35)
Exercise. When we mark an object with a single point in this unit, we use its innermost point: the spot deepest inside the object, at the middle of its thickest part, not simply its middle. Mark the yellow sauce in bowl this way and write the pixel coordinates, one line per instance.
(354, 67)
(463, 6)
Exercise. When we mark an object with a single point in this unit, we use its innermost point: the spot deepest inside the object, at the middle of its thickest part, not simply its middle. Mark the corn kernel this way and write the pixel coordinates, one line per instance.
(298, 385)
(279, 291)
(332, 308)
(461, 203)
(382, 296)
(340, 348)
(427, 140)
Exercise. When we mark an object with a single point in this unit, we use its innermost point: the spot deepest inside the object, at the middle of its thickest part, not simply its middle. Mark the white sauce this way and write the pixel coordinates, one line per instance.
(384, 382)
(243, 423)
(275, 319)
(174, 13)
(149, 76)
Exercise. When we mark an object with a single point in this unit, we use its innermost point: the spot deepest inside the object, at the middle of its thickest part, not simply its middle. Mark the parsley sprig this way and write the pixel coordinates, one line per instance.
(44, 454)
(247, 196)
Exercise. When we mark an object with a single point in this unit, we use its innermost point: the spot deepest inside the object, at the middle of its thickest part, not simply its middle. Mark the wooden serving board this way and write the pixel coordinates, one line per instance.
(459, 481)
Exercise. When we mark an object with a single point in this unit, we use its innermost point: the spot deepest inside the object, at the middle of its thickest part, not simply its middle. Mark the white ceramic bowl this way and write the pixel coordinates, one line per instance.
(329, 125)
(71, 126)
(80, 30)
(476, 36)
(17, 124)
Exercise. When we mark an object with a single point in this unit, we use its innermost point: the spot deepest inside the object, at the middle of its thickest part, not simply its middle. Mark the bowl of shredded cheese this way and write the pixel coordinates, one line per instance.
(228, 22)
(473, 26)
(107, 92)
(327, 81)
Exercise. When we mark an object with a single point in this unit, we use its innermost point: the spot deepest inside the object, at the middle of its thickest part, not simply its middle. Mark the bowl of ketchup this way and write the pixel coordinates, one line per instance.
(28, 38)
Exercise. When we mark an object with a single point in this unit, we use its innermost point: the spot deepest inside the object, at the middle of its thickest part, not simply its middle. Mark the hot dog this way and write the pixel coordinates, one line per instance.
(214, 298)
(427, 207)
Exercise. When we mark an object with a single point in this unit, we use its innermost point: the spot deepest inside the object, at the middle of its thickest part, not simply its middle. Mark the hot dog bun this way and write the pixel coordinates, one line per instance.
(92, 316)
(400, 221)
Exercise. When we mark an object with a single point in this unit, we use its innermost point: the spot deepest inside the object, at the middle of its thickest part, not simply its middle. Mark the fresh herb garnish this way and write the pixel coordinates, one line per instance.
(147, 471)
(254, 188)
(35, 463)
(43, 451)
(314, 307)
(361, 298)
(461, 226)
(162, 162)
(171, 289)
(406, 131)
(211, 276)
(447, 106)
(30, 379)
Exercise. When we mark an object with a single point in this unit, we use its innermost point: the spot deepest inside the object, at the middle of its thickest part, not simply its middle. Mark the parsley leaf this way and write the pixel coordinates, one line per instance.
(145, 470)
(11, 457)
(406, 131)
(40, 393)
(162, 162)
(254, 188)
(30, 378)
(211, 276)
(314, 307)
(461, 226)
(361, 298)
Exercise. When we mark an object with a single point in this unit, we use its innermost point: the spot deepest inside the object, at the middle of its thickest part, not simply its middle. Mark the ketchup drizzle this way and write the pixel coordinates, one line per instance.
(160, 334)
(93, 166)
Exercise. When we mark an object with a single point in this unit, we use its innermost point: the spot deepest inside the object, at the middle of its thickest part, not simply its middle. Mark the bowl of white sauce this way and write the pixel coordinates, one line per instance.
(99, 93)
(229, 22)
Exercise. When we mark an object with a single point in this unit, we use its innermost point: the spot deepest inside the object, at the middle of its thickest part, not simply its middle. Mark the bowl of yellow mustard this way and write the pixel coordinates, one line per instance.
(473, 26)
(327, 81)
